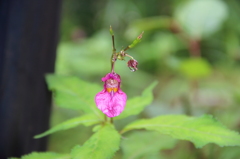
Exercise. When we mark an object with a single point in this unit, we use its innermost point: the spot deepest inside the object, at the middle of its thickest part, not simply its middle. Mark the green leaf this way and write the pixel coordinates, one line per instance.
(195, 68)
(145, 144)
(201, 18)
(135, 105)
(103, 144)
(200, 131)
(45, 155)
(73, 93)
(86, 120)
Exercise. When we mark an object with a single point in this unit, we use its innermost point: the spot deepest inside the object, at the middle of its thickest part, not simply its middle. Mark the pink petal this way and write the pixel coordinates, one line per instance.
(111, 105)
(111, 76)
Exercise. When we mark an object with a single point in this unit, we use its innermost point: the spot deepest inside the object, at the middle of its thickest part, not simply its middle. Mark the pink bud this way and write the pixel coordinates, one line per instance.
(132, 64)
(111, 100)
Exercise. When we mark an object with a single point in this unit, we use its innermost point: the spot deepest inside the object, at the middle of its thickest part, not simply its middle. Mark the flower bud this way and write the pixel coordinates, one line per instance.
(132, 64)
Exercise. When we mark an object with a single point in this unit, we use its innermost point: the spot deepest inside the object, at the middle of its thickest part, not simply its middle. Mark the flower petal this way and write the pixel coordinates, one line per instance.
(111, 76)
(111, 105)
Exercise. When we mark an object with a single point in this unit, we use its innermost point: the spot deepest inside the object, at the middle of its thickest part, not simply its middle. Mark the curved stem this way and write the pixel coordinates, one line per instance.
(129, 56)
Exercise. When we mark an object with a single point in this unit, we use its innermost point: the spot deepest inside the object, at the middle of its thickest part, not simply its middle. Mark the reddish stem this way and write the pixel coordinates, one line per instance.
(194, 48)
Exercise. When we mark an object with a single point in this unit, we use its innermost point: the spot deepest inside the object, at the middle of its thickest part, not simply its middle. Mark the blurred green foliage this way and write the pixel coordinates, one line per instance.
(192, 47)
(140, 145)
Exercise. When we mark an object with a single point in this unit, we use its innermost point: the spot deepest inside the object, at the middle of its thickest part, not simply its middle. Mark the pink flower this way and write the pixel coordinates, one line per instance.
(111, 100)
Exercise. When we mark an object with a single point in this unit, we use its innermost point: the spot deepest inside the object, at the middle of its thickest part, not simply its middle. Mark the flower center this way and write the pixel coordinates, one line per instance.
(112, 85)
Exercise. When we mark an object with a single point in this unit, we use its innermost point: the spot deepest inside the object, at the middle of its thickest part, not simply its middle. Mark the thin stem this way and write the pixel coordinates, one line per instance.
(129, 56)
(113, 41)
(113, 60)
(111, 120)
(113, 44)
(113, 57)
(135, 42)
(126, 48)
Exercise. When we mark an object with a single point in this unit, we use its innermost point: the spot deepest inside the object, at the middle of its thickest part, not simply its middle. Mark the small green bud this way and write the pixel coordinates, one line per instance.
(136, 41)
(111, 31)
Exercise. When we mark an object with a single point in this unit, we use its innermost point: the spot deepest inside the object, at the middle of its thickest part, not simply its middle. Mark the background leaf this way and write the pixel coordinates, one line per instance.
(45, 155)
(135, 105)
(200, 131)
(103, 144)
(195, 68)
(146, 144)
(147, 24)
(199, 18)
(86, 120)
(73, 93)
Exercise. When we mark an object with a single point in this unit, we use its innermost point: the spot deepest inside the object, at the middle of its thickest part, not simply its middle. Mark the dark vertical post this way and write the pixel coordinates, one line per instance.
(28, 40)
